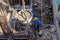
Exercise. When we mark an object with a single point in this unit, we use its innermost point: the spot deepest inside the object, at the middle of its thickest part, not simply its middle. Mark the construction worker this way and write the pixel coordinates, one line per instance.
(36, 23)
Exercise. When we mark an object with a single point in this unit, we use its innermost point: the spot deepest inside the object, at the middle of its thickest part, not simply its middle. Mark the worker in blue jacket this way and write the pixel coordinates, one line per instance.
(36, 22)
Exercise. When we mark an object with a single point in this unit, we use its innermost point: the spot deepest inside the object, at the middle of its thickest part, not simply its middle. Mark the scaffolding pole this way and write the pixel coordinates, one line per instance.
(56, 22)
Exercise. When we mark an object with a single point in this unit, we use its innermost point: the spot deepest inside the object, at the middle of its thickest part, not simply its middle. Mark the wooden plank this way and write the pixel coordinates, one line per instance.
(1, 30)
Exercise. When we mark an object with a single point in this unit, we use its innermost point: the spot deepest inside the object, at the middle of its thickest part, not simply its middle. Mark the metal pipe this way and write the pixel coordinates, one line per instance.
(41, 12)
